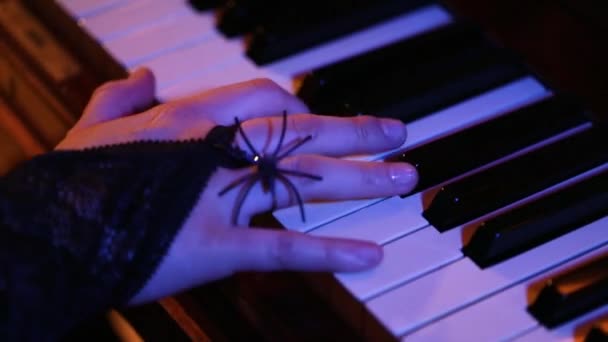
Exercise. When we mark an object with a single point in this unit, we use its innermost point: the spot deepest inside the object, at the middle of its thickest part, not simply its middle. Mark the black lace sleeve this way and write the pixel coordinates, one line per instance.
(81, 231)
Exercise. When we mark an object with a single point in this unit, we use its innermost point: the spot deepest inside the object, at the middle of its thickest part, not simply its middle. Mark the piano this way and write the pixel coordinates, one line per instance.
(505, 238)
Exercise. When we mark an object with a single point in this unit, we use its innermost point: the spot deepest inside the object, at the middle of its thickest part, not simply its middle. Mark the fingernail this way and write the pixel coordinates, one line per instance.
(394, 129)
(360, 256)
(403, 173)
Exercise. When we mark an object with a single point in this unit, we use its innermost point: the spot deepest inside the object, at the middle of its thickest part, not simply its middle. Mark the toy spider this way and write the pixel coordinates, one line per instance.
(267, 171)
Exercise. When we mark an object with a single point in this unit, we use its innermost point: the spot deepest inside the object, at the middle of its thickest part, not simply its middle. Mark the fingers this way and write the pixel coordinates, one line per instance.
(136, 128)
(268, 250)
(341, 180)
(198, 256)
(332, 136)
(120, 98)
(245, 100)
(183, 119)
(348, 179)
(194, 117)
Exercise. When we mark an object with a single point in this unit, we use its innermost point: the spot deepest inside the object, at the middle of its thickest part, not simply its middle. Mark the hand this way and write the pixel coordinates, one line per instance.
(208, 246)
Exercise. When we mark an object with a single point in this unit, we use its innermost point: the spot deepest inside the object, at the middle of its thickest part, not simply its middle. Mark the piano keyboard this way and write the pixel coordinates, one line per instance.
(428, 287)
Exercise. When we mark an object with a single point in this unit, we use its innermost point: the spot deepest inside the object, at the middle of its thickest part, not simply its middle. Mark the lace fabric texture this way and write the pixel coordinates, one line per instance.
(81, 231)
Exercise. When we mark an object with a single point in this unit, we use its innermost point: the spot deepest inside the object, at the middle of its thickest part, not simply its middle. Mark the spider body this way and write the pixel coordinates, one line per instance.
(266, 171)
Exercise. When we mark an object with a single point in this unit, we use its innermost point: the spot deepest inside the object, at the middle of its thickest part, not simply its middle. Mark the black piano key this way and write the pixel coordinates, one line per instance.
(412, 78)
(238, 17)
(597, 334)
(409, 52)
(205, 5)
(538, 222)
(332, 89)
(441, 160)
(493, 188)
(438, 86)
(306, 24)
(572, 294)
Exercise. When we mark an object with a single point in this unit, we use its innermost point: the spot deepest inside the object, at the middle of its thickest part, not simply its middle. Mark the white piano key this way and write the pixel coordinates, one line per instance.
(381, 222)
(479, 323)
(462, 283)
(486, 326)
(574, 330)
(80, 9)
(211, 54)
(318, 213)
(395, 217)
(479, 108)
(283, 71)
(234, 72)
(169, 35)
(404, 260)
(134, 16)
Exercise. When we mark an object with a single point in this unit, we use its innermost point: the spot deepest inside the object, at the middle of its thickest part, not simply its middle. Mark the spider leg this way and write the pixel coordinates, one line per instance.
(301, 174)
(236, 183)
(293, 190)
(249, 144)
(283, 130)
(273, 193)
(241, 198)
(298, 144)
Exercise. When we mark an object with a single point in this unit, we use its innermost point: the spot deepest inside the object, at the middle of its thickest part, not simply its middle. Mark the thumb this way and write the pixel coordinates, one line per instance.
(269, 250)
(120, 98)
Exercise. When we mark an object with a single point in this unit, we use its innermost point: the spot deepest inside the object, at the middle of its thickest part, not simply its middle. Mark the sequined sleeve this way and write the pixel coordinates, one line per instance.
(81, 231)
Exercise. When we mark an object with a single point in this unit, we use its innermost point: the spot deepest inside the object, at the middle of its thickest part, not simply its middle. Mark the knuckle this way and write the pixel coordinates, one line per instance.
(160, 122)
(163, 113)
(365, 127)
(304, 125)
(265, 84)
(255, 130)
(271, 91)
(267, 121)
(298, 163)
(107, 88)
(283, 250)
(305, 165)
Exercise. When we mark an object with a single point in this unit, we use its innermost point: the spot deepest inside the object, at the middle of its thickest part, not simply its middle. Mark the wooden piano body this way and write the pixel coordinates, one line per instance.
(561, 41)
